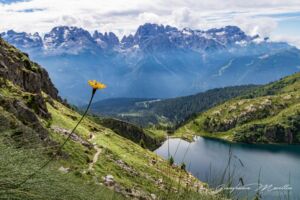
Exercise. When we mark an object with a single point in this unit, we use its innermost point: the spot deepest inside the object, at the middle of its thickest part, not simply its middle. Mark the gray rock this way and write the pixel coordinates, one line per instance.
(109, 180)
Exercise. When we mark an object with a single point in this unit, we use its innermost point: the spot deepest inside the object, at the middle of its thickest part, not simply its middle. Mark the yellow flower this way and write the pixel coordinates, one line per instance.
(96, 85)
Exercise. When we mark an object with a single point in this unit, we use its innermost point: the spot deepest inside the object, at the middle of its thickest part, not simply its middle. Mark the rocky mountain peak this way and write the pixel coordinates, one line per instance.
(149, 29)
(106, 40)
(127, 41)
(149, 36)
(68, 32)
(22, 39)
(68, 38)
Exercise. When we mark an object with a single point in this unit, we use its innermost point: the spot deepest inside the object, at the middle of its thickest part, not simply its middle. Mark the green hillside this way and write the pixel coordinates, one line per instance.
(151, 139)
(96, 163)
(269, 114)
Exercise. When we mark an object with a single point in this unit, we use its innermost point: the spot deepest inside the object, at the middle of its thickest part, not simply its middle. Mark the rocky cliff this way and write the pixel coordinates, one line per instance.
(20, 70)
(23, 84)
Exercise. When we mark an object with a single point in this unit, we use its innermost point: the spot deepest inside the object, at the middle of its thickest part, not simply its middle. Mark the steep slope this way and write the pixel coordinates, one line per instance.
(96, 163)
(26, 140)
(145, 138)
(156, 61)
(165, 112)
(269, 114)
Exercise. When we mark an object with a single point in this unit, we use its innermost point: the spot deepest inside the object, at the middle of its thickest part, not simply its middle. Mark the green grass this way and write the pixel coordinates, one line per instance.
(22, 154)
(66, 118)
(248, 118)
(156, 133)
(139, 173)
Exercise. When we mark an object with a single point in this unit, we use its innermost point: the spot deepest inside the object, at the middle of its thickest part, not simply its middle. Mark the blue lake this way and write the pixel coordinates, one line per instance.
(275, 168)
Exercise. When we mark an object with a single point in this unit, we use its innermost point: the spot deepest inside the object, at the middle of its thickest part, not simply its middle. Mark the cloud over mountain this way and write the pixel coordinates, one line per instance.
(123, 17)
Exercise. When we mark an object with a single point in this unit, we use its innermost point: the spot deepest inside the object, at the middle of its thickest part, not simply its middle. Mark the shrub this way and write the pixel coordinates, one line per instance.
(183, 166)
(171, 160)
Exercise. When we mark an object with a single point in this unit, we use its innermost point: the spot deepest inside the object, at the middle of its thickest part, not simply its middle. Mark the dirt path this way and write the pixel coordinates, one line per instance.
(95, 158)
(96, 155)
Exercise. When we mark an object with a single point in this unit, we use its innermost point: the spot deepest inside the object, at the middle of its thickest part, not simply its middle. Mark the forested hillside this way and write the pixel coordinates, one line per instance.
(166, 112)
(269, 114)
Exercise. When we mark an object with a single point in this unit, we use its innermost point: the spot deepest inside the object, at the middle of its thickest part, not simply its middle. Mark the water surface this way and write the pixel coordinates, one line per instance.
(275, 167)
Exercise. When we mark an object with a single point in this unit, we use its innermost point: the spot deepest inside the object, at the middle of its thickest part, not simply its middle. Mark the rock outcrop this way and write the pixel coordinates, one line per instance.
(24, 85)
(16, 67)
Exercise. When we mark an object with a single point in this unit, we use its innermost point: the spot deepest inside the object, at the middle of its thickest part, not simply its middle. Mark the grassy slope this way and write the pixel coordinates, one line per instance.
(141, 174)
(151, 139)
(138, 174)
(22, 152)
(268, 114)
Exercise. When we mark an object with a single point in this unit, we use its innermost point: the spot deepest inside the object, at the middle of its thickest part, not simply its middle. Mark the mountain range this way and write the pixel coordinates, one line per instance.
(156, 61)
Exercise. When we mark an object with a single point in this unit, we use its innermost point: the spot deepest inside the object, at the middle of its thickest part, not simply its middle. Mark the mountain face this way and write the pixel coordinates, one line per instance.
(106, 40)
(67, 39)
(268, 114)
(24, 40)
(157, 61)
(27, 75)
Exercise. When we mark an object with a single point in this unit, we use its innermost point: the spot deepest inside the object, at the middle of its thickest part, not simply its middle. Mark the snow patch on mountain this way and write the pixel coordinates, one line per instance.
(264, 56)
(223, 68)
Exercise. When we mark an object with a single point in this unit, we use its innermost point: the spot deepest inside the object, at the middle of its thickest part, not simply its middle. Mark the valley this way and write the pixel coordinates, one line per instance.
(165, 113)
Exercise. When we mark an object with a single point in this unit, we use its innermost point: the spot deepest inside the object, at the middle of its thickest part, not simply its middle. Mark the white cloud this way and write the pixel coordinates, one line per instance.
(149, 17)
(257, 26)
(293, 40)
(124, 17)
(185, 17)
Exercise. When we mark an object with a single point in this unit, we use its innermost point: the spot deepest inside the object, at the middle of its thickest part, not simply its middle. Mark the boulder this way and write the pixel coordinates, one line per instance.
(109, 180)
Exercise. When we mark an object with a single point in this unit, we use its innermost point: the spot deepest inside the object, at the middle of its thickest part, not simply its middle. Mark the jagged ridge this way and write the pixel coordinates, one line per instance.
(148, 36)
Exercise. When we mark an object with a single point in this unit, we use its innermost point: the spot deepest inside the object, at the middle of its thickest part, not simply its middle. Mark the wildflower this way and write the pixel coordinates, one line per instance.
(96, 85)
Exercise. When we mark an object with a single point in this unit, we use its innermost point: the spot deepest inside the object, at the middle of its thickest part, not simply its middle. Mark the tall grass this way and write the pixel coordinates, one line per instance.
(187, 191)
(17, 162)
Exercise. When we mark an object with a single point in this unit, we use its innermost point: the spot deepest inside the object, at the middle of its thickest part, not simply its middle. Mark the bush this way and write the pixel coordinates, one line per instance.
(142, 143)
(171, 160)
(183, 166)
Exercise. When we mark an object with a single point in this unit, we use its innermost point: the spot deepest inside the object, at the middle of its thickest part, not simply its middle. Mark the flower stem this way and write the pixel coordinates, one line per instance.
(61, 146)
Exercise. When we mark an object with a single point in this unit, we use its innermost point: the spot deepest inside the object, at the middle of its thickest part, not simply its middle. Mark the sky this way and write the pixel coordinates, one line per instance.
(277, 19)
